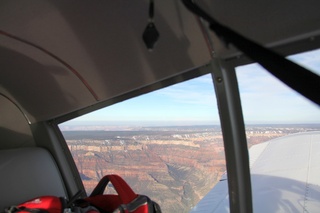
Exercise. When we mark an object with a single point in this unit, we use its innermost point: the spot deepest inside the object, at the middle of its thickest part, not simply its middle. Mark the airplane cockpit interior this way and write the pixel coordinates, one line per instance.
(201, 105)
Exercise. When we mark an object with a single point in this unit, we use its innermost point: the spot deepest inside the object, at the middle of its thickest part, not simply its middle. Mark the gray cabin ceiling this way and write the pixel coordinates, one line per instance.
(61, 56)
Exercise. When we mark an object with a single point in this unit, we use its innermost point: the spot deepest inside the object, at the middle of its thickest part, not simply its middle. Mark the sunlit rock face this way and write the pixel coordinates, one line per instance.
(175, 170)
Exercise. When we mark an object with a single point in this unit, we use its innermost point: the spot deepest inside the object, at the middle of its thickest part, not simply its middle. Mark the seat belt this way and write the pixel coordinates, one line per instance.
(298, 78)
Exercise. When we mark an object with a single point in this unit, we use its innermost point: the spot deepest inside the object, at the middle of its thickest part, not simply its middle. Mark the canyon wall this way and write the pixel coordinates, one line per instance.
(176, 170)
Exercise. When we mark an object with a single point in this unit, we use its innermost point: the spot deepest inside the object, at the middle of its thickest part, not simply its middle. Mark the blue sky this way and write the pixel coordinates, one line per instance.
(264, 100)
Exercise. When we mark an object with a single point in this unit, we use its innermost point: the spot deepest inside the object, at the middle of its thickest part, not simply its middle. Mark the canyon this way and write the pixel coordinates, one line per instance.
(174, 166)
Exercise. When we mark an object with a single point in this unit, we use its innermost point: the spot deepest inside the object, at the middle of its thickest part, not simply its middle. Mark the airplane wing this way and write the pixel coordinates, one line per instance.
(284, 176)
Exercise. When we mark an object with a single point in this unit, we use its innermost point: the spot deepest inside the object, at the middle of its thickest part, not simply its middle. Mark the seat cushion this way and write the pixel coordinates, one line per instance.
(27, 173)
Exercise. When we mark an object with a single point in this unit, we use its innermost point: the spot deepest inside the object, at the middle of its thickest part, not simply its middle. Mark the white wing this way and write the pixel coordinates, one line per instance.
(285, 177)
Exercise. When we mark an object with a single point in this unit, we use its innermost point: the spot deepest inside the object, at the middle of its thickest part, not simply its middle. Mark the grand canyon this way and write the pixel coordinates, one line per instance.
(174, 166)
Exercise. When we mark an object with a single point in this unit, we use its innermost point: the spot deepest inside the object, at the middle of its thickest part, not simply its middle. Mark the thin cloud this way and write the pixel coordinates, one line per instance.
(265, 98)
(310, 60)
(198, 91)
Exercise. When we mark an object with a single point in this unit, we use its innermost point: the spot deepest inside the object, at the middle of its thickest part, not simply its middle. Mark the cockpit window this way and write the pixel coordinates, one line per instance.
(166, 144)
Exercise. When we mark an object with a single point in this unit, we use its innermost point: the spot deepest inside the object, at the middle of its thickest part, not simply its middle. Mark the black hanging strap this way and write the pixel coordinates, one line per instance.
(151, 10)
(298, 78)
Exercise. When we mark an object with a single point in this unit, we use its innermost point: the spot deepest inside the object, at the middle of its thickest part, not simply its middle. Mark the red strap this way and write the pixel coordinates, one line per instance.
(124, 191)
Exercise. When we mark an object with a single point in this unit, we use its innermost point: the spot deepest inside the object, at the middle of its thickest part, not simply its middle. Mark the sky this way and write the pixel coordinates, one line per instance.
(264, 99)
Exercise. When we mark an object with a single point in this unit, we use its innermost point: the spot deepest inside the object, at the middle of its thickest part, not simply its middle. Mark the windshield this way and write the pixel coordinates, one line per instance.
(166, 144)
